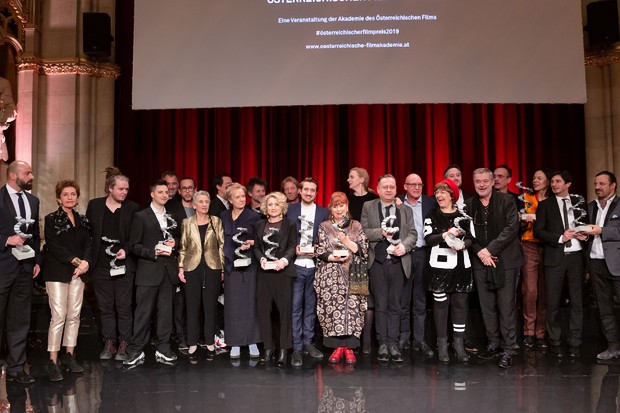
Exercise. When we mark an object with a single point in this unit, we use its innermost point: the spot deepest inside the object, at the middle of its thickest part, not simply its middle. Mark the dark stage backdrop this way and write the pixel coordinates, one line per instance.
(326, 141)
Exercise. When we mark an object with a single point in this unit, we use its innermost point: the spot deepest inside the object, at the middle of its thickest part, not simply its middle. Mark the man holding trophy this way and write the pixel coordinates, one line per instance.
(392, 235)
(152, 240)
(307, 216)
(19, 263)
(113, 269)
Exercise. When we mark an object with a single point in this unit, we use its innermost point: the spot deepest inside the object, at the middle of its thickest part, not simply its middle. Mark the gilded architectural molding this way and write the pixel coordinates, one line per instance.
(603, 57)
(50, 68)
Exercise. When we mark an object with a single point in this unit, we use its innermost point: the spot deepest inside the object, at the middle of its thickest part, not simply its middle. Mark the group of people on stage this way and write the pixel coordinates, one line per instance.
(158, 271)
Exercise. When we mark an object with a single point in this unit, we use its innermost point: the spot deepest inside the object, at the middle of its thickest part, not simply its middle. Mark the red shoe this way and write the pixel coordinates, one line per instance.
(349, 357)
(336, 355)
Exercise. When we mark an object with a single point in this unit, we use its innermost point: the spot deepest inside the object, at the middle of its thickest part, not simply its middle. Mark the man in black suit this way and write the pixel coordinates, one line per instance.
(219, 203)
(563, 260)
(156, 277)
(389, 262)
(110, 217)
(16, 275)
(604, 263)
(420, 205)
(496, 264)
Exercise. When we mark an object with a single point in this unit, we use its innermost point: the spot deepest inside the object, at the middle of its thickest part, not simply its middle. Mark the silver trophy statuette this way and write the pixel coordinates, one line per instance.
(342, 250)
(271, 259)
(171, 224)
(23, 252)
(305, 244)
(242, 260)
(580, 224)
(114, 269)
(526, 203)
(451, 239)
(389, 220)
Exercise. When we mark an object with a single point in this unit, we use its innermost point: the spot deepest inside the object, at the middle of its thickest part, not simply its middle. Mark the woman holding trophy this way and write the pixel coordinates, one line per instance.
(200, 267)
(240, 315)
(274, 248)
(68, 244)
(447, 231)
(340, 313)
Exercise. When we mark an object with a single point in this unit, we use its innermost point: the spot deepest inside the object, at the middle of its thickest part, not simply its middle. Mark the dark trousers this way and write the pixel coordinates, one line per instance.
(456, 305)
(605, 286)
(571, 269)
(147, 298)
(275, 288)
(498, 309)
(304, 307)
(386, 282)
(15, 304)
(178, 313)
(114, 298)
(203, 285)
(414, 287)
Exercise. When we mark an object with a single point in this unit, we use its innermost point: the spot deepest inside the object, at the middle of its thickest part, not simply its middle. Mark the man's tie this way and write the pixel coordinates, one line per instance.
(566, 226)
(22, 206)
(387, 211)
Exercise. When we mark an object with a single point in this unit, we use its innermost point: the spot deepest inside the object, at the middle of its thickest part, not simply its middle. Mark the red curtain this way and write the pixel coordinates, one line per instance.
(326, 141)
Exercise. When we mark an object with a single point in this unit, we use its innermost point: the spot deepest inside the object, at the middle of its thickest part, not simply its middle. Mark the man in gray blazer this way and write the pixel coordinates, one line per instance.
(389, 262)
(604, 259)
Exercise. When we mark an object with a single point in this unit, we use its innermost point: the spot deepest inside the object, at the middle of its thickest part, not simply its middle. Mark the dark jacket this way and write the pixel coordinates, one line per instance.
(63, 243)
(286, 249)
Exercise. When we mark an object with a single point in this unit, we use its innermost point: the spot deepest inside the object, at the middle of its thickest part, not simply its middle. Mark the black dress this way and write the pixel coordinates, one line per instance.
(447, 270)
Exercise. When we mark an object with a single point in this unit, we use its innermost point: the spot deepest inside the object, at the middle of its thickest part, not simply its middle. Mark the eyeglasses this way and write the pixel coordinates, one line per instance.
(414, 185)
(187, 188)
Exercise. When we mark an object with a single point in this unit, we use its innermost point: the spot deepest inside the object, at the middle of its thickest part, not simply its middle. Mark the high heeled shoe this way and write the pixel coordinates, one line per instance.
(281, 362)
(267, 356)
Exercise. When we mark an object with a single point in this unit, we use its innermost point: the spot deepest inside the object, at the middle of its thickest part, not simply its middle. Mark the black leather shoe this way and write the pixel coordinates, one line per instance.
(505, 361)
(529, 341)
(422, 347)
(574, 351)
(557, 351)
(382, 353)
(395, 354)
(470, 347)
(268, 356)
(281, 362)
(192, 357)
(404, 345)
(20, 377)
(296, 359)
(489, 353)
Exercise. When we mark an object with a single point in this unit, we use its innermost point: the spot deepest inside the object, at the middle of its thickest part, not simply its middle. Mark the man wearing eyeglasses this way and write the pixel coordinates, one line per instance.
(420, 205)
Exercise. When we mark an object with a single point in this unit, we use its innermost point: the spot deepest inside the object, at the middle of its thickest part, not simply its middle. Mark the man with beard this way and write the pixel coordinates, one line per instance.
(110, 219)
(15, 274)
(604, 215)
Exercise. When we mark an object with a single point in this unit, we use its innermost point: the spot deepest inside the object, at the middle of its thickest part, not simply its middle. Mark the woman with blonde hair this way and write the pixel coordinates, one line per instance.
(274, 248)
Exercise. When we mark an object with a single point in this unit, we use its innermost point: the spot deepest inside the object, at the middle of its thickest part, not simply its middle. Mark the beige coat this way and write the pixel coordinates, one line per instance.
(189, 254)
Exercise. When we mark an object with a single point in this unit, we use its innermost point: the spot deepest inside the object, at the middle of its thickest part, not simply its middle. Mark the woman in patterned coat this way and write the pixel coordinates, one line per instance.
(340, 314)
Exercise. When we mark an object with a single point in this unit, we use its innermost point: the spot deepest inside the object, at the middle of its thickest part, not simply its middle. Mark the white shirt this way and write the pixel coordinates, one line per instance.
(575, 243)
(14, 199)
(309, 213)
(597, 244)
(163, 222)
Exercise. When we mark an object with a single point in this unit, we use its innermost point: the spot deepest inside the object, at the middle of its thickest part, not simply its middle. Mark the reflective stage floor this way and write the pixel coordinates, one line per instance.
(537, 382)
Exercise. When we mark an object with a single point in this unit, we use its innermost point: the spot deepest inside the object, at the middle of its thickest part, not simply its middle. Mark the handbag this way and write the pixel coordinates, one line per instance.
(358, 276)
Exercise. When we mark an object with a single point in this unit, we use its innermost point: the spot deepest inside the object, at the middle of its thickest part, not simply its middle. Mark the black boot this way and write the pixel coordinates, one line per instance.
(281, 362)
(458, 347)
(268, 356)
(442, 349)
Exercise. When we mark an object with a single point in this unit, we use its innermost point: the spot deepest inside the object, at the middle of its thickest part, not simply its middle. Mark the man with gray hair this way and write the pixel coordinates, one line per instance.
(496, 264)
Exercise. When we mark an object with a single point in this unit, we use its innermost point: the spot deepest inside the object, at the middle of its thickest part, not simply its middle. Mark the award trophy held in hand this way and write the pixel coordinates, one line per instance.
(23, 252)
(114, 269)
(452, 240)
(241, 260)
(172, 224)
(526, 204)
(271, 259)
(305, 245)
(580, 224)
(342, 250)
(389, 220)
